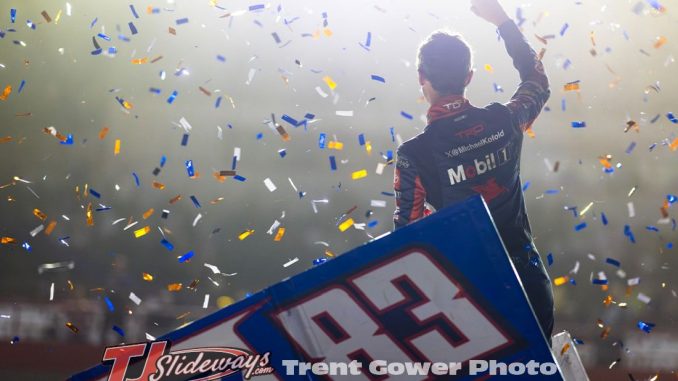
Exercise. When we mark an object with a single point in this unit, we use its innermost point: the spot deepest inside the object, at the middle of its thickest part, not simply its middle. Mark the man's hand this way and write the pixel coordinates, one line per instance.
(490, 10)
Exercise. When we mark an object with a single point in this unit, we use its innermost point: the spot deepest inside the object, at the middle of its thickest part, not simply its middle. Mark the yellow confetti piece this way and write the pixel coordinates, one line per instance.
(328, 80)
(346, 224)
(39, 214)
(561, 280)
(90, 215)
(565, 348)
(368, 148)
(140, 61)
(279, 234)
(329, 253)
(489, 68)
(158, 185)
(182, 316)
(50, 227)
(335, 145)
(224, 301)
(327, 32)
(58, 17)
(71, 287)
(586, 209)
(142, 232)
(661, 41)
(245, 234)
(116, 148)
(7, 91)
(530, 133)
(7, 240)
(174, 287)
(674, 145)
(359, 174)
(72, 327)
(573, 86)
(103, 133)
(148, 213)
(147, 277)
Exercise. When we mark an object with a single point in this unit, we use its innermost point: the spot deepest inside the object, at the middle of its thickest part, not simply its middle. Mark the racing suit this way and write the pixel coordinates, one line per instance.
(466, 150)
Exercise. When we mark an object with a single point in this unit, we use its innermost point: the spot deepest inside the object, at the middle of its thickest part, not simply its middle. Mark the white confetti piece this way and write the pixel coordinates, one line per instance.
(135, 299)
(130, 225)
(196, 219)
(321, 92)
(380, 168)
(345, 113)
(37, 230)
(291, 262)
(378, 203)
(236, 153)
(633, 281)
(214, 269)
(269, 184)
(149, 337)
(644, 298)
(185, 125)
(632, 210)
(206, 302)
(51, 292)
(250, 76)
(6, 316)
(274, 226)
(220, 133)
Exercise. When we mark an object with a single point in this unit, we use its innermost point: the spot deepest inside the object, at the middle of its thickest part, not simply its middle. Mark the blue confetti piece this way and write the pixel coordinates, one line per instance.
(109, 304)
(155, 10)
(378, 78)
(566, 64)
(132, 28)
(390, 194)
(309, 116)
(319, 261)
(629, 233)
(189, 168)
(256, 7)
(361, 139)
(103, 209)
(526, 186)
(221, 58)
(671, 198)
(655, 119)
(552, 191)
(234, 163)
(333, 163)
(155, 90)
(239, 178)
(167, 244)
(389, 156)
(163, 160)
(172, 97)
(134, 11)
(322, 140)
(497, 88)
(94, 193)
(112, 50)
(630, 148)
(184, 140)
(282, 153)
(103, 36)
(673, 224)
(406, 115)
(93, 22)
(12, 15)
(218, 102)
(580, 227)
(122, 37)
(260, 136)
(564, 29)
(21, 86)
(136, 179)
(186, 257)
(372, 224)
(182, 21)
(613, 262)
(290, 120)
(603, 218)
(573, 282)
(599, 281)
(645, 326)
(195, 201)
(119, 331)
(549, 259)
(672, 118)
(563, 104)
(392, 132)
(578, 124)
(669, 245)
(652, 228)
(69, 140)
(656, 5)
(27, 246)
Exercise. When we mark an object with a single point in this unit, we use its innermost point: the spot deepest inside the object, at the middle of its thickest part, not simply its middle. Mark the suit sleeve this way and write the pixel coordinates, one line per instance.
(409, 191)
(533, 92)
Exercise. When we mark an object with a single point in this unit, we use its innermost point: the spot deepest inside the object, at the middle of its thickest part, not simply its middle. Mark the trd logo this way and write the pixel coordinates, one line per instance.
(489, 163)
(470, 132)
(405, 309)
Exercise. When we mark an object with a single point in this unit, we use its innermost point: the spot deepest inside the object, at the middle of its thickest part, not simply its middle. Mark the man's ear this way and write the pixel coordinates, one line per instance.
(469, 77)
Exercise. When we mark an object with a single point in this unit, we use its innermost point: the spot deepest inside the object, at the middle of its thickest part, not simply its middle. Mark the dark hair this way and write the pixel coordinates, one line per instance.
(444, 59)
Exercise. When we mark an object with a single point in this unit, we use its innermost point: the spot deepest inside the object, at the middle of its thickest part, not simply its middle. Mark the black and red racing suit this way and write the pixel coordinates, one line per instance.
(466, 150)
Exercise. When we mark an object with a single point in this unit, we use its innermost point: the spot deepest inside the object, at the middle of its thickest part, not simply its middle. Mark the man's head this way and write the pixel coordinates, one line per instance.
(444, 65)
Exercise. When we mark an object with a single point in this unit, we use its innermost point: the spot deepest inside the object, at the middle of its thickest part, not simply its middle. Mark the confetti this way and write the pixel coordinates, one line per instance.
(142, 232)
(359, 174)
(346, 225)
(72, 327)
(186, 257)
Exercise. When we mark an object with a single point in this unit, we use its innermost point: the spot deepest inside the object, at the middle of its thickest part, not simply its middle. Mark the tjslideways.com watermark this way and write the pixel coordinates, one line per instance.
(382, 368)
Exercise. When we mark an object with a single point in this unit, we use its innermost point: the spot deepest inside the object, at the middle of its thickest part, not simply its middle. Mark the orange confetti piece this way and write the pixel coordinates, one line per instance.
(346, 224)
(148, 213)
(605, 333)
(72, 327)
(175, 199)
(566, 347)
(140, 61)
(50, 227)
(6, 92)
(359, 174)
(147, 277)
(39, 214)
(7, 240)
(608, 300)
(530, 133)
(245, 234)
(335, 145)
(561, 280)
(6, 139)
(572, 86)
(142, 232)
(327, 32)
(158, 185)
(217, 200)
(661, 41)
(605, 161)
(279, 234)
(674, 145)
(90, 215)
(116, 148)
(103, 133)
(174, 287)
